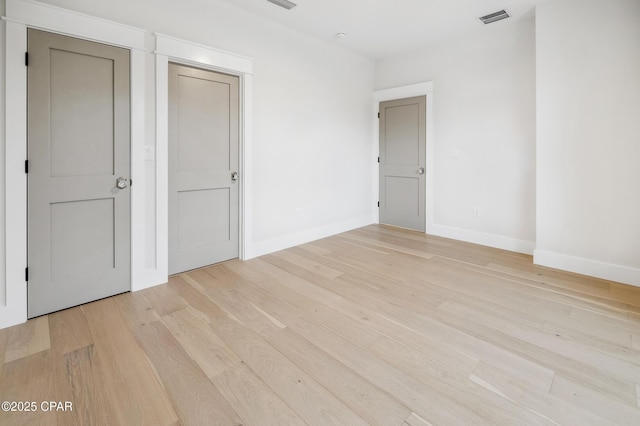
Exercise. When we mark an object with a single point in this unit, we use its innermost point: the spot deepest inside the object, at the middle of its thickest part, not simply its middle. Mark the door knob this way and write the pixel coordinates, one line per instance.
(234, 176)
(122, 183)
(420, 171)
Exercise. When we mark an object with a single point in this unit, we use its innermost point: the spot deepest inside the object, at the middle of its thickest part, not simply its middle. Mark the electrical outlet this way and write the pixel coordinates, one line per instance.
(476, 212)
(299, 213)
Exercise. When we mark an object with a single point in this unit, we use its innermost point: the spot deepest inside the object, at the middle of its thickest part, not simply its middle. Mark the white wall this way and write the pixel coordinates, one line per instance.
(588, 147)
(311, 145)
(484, 110)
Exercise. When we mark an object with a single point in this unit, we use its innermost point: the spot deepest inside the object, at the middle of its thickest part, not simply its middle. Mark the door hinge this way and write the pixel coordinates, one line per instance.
(26, 166)
(378, 159)
(130, 182)
(26, 274)
(26, 59)
(378, 115)
(378, 203)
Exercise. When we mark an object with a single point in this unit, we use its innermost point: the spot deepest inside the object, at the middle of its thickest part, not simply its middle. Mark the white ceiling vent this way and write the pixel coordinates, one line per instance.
(283, 3)
(492, 17)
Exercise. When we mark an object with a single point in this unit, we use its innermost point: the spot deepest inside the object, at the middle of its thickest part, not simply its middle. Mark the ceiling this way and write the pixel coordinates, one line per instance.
(383, 28)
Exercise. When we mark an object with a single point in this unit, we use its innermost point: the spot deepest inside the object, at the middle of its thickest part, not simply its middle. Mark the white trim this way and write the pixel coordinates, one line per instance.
(68, 22)
(189, 53)
(21, 15)
(142, 276)
(14, 310)
(593, 268)
(308, 235)
(409, 91)
(490, 240)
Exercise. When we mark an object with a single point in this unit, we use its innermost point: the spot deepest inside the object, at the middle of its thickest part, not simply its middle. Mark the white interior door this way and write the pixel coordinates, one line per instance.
(78, 148)
(203, 167)
(402, 162)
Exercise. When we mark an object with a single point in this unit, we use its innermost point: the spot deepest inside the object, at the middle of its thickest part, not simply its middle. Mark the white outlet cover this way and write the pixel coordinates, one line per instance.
(149, 153)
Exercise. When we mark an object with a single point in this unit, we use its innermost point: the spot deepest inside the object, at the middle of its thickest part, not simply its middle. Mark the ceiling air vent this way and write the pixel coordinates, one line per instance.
(283, 3)
(492, 17)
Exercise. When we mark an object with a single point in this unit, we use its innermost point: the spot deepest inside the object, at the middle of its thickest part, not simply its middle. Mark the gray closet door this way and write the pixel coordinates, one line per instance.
(203, 165)
(402, 162)
(78, 146)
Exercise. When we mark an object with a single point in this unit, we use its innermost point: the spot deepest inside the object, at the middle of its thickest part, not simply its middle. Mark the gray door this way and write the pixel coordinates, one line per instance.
(78, 145)
(203, 166)
(402, 162)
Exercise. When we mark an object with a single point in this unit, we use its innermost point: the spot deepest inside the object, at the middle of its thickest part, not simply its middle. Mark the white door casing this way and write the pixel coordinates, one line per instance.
(171, 49)
(21, 15)
(412, 90)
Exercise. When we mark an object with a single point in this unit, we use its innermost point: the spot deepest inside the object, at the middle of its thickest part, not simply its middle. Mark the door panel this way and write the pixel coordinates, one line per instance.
(81, 229)
(203, 111)
(203, 154)
(203, 218)
(402, 162)
(402, 133)
(78, 144)
(79, 84)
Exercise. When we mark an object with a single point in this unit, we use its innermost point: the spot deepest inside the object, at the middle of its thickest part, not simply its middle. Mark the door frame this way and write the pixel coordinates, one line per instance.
(21, 15)
(183, 52)
(410, 91)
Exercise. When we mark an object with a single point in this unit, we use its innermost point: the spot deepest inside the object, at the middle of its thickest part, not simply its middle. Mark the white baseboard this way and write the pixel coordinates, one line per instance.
(490, 240)
(290, 240)
(593, 268)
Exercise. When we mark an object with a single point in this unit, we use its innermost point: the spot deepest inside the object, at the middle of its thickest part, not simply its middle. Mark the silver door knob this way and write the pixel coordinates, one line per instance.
(234, 176)
(420, 171)
(122, 183)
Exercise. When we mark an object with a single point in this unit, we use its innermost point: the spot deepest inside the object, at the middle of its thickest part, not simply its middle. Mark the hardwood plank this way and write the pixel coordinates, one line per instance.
(590, 331)
(532, 398)
(519, 366)
(163, 299)
(287, 279)
(211, 354)
(311, 401)
(416, 420)
(195, 398)
(32, 378)
(310, 265)
(625, 292)
(137, 395)
(69, 330)
(595, 400)
(197, 300)
(430, 364)
(92, 401)
(389, 246)
(28, 339)
(4, 335)
(368, 401)
(255, 402)
(135, 309)
(553, 354)
(227, 297)
(423, 399)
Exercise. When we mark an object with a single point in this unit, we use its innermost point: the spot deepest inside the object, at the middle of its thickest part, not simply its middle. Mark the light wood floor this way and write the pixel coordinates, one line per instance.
(374, 326)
